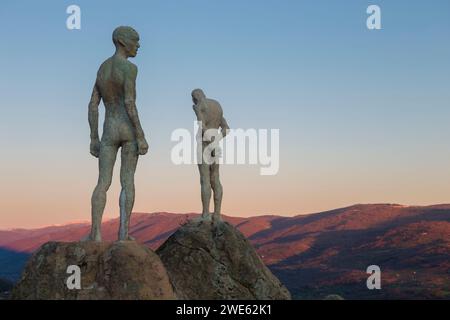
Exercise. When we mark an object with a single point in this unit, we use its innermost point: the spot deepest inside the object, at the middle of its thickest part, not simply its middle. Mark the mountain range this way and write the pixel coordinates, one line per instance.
(314, 255)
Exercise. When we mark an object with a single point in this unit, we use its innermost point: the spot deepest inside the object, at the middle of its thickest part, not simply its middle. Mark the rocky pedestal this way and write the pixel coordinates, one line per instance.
(206, 261)
(119, 270)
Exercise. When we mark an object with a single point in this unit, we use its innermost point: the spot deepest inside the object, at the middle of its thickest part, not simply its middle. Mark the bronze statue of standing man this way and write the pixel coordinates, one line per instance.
(210, 115)
(116, 86)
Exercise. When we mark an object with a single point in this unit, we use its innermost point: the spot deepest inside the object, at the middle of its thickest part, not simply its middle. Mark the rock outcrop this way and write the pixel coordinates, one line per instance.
(206, 261)
(114, 270)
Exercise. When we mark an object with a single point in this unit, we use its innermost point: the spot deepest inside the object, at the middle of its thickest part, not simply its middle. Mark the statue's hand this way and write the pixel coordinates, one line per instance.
(142, 146)
(95, 147)
(217, 152)
(196, 109)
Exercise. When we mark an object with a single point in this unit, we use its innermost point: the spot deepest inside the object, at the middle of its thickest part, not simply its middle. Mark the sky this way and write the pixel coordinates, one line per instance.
(363, 114)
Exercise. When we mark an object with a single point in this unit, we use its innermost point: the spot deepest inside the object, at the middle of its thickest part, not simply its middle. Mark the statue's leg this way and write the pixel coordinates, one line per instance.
(126, 202)
(106, 161)
(205, 184)
(217, 188)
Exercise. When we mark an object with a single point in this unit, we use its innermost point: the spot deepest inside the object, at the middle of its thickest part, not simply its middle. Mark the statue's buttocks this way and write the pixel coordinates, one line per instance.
(111, 80)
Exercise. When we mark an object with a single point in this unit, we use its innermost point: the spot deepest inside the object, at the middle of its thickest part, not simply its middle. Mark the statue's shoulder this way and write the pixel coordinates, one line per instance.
(131, 66)
(119, 63)
(106, 62)
(104, 66)
(212, 101)
(214, 104)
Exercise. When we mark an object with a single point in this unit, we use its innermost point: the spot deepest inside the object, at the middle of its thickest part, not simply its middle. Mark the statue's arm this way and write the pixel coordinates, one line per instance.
(93, 112)
(130, 106)
(93, 121)
(200, 115)
(130, 101)
(198, 112)
(224, 127)
(223, 124)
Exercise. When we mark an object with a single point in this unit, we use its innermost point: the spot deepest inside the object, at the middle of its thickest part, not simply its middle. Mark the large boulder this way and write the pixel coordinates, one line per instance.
(215, 261)
(114, 270)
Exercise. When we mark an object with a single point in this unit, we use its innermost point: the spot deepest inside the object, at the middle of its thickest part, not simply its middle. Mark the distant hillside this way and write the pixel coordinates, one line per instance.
(5, 288)
(5, 285)
(11, 263)
(314, 255)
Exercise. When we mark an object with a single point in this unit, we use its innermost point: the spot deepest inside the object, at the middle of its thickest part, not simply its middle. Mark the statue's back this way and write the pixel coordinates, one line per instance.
(110, 81)
(213, 114)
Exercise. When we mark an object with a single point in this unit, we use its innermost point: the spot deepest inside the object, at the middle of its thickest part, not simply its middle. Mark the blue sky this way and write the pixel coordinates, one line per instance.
(358, 110)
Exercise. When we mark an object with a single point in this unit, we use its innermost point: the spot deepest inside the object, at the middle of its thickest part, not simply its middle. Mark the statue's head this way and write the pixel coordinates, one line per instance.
(126, 39)
(197, 95)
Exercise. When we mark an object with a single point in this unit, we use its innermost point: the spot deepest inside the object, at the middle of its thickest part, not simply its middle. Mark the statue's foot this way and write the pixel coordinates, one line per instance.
(216, 218)
(205, 217)
(217, 225)
(200, 219)
(127, 238)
